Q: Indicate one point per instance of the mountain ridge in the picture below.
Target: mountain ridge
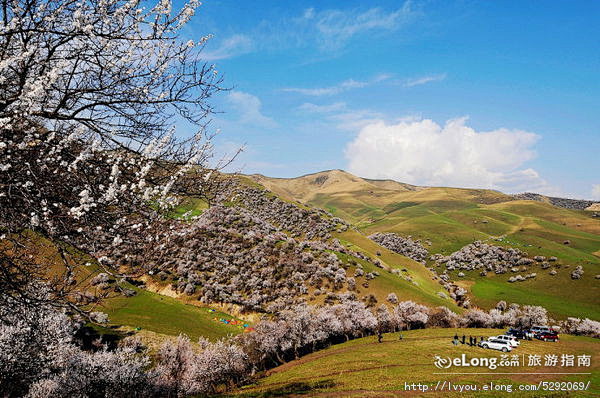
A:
(286, 185)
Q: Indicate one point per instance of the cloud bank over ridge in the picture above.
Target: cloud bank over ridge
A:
(423, 152)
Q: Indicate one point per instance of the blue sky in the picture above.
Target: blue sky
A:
(502, 95)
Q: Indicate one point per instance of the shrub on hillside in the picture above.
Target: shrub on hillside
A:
(385, 321)
(392, 298)
(577, 272)
(405, 246)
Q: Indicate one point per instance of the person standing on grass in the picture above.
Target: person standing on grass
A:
(379, 335)
(463, 339)
(455, 340)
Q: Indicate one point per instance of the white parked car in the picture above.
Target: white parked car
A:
(496, 344)
(512, 340)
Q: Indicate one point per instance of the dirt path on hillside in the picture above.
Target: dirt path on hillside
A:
(516, 228)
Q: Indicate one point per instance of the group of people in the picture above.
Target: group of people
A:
(472, 340)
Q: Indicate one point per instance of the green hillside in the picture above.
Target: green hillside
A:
(451, 218)
(167, 316)
(448, 218)
(145, 310)
(424, 290)
(366, 368)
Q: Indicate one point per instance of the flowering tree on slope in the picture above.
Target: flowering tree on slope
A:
(89, 93)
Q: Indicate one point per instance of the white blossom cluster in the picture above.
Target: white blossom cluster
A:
(585, 327)
(67, 187)
(184, 370)
(311, 224)
(229, 255)
(405, 246)
(39, 357)
(485, 257)
(302, 329)
(89, 91)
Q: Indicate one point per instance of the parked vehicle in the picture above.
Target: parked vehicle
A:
(547, 336)
(512, 340)
(496, 344)
(539, 329)
(519, 334)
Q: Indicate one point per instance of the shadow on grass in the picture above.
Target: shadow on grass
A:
(285, 390)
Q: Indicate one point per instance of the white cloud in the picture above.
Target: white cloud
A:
(596, 191)
(313, 91)
(424, 80)
(327, 31)
(341, 117)
(229, 48)
(355, 119)
(335, 28)
(338, 88)
(425, 153)
(313, 108)
(309, 13)
(248, 106)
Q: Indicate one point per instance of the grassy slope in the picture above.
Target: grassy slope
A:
(363, 367)
(166, 315)
(150, 311)
(190, 207)
(425, 291)
(451, 218)
(536, 228)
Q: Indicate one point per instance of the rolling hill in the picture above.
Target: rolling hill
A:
(157, 310)
(451, 218)
(448, 218)
(283, 216)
